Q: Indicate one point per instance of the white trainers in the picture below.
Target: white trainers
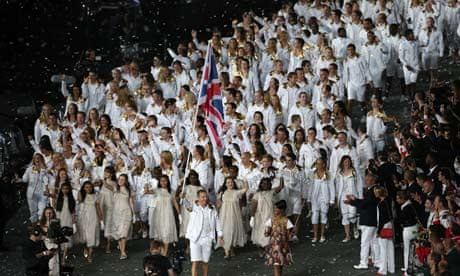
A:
(355, 233)
(295, 239)
(360, 266)
(314, 240)
(323, 239)
(144, 234)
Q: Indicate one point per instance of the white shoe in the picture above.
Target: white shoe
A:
(403, 269)
(295, 239)
(346, 240)
(144, 234)
(314, 240)
(356, 233)
(360, 266)
(323, 239)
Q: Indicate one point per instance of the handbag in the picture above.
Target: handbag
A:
(386, 233)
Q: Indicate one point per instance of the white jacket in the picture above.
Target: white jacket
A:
(409, 53)
(337, 154)
(348, 185)
(432, 44)
(94, 93)
(376, 57)
(365, 151)
(355, 71)
(339, 46)
(321, 189)
(375, 127)
(195, 225)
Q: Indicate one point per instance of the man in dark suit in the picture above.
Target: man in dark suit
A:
(412, 186)
(452, 256)
(367, 208)
(385, 173)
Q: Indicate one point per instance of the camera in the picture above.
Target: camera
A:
(177, 258)
(58, 234)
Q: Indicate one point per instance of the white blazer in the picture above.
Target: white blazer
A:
(195, 225)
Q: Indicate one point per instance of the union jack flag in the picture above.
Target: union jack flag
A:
(210, 100)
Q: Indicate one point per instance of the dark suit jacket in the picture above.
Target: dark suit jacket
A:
(384, 214)
(453, 259)
(367, 207)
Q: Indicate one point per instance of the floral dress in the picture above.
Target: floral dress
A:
(278, 252)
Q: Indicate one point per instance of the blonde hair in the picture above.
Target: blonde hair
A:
(123, 96)
(167, 156)
(42, 118)
(161, 74)
(190, 100)
(380, 192)
(139, 169)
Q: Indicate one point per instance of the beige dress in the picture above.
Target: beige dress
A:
(263, 213)
(164, 226)
(232, 220)
(122, 216)
(106, 203)
(191, 196)
(66, 220)
(88, 222)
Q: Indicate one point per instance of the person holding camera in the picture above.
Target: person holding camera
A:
(156, 264)
(35, 254)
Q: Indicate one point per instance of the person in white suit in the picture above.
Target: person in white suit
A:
(356, 76)
(432, 46)
(409, 52)
(321, 195)
(201, 231)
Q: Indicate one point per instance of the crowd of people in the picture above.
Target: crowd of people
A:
(304, 92)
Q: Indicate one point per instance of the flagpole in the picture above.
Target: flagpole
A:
(195, 118)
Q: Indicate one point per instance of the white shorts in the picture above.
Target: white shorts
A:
(294, 206)
(356, 92)
(201, 250)
(394, 69)
(430, 61)
(377, 78)
(410, 77)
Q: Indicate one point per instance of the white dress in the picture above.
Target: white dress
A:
(164, 226)
(264, 212)
(190, 196)
(106, 203)
(232, 220)
(88, 222)
(66, 220)
(122, 215)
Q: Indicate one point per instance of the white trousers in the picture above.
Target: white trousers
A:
(348, 213)
(368, 242)
(319, 209)
(409, 233)
(386, 262)
(37, 203)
